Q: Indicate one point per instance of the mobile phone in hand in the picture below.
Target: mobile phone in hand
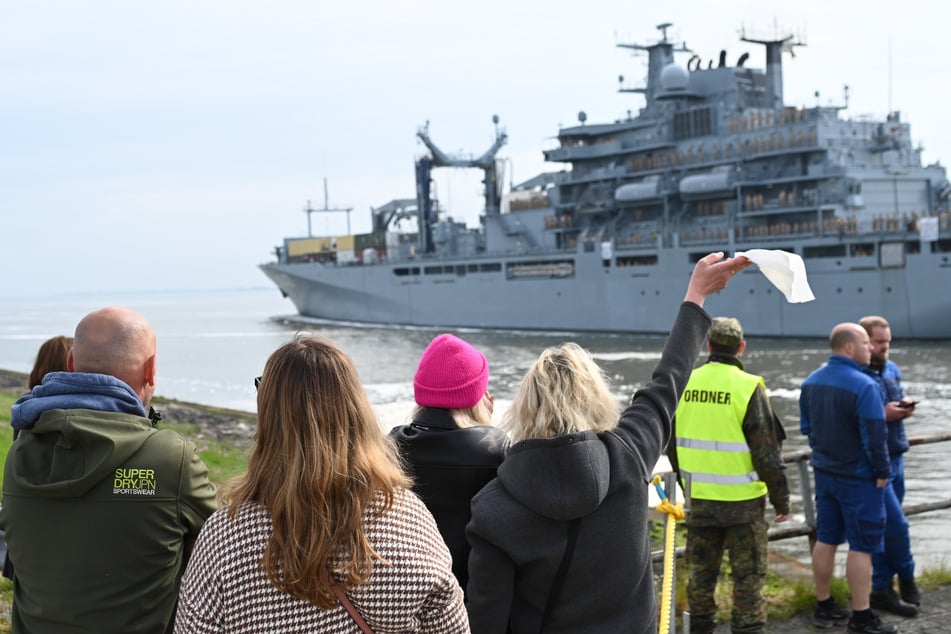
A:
(907, 404)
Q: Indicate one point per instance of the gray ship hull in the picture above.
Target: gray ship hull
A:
(624, 299)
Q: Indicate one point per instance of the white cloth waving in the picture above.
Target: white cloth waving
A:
(785, 270)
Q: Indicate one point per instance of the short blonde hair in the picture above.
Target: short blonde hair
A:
(563, 392)
(474, 416)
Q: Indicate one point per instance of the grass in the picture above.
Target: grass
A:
(223, 459)
(6, 439)
(785, 596)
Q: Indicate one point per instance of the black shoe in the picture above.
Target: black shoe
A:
(830, 616)
(887, 599)
(872, 626)
(909, 591)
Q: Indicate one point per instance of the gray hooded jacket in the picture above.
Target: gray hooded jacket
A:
(520, 519)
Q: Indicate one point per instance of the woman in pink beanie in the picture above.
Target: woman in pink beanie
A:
(450, 448)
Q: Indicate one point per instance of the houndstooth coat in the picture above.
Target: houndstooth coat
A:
(225, 588)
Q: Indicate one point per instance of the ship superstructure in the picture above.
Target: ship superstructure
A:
(714, 161)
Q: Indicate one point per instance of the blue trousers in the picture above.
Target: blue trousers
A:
(897, 557)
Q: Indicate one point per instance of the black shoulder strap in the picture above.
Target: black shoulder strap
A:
(559, 580)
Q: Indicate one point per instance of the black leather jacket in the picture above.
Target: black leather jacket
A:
(449, 465)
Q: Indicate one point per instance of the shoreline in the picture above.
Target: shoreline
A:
(212, 423)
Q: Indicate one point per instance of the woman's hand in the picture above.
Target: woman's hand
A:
(711, 274)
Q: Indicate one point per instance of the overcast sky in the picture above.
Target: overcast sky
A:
(171, 145)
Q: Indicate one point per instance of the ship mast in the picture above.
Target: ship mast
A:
(659, 56)
(309, 210)
(774, 64)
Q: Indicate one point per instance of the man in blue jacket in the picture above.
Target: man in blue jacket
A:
(842, 413)
(896, 559)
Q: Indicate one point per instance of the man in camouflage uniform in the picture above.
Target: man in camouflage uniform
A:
(727, 455)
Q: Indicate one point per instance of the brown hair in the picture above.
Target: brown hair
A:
(51, 357)
(319, 465)
(871, 322)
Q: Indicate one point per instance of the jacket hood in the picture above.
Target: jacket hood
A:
(75, 390)
(67, 452)
(560, 478)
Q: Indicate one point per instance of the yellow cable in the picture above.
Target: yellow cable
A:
(674, 513)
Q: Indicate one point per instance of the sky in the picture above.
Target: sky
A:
(172, 145)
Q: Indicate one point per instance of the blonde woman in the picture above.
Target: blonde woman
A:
(559, 539)
(323, 506)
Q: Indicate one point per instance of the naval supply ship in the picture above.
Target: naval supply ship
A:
(715, 160)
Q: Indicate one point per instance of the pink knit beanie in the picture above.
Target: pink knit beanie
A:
(451, 374)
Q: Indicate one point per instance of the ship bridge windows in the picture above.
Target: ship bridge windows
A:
(403, 271)
(695, 122)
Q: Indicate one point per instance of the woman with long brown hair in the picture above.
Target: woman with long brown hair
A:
(323, 511)
(51, 357)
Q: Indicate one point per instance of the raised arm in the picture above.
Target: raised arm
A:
(645, 426)
(711, 274)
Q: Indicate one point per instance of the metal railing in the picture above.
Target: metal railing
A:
(808, 527)
(805, 529)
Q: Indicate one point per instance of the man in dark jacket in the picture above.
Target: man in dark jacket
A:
(841, 412)
(728, 443)
(99, 507)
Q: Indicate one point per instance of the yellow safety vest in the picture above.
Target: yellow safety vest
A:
(711, 447)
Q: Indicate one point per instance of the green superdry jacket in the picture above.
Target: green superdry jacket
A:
(97, 508)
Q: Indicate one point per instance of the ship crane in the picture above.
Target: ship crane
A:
(424, 167)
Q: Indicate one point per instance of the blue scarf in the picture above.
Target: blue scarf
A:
(75, 390)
